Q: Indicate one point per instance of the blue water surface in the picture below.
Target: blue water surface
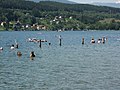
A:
(72, 66)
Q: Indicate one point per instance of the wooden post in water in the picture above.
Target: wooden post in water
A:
(60, 42)
(83, 41)
(40, 44)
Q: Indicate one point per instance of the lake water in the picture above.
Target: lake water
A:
(72, 66)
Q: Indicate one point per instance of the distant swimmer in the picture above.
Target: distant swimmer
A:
(1, 48)
(16, 45)
(99, 41)
(32, 54)
(49, 44)
(36, 40)
(103, 40)
(92, 41)
(12, 47)
(19, 53)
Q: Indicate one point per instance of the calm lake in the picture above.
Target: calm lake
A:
(72, 66)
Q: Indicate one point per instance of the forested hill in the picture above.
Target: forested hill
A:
(54, 15)
(53, 6)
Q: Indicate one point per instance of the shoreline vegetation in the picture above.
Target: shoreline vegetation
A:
(21, 15)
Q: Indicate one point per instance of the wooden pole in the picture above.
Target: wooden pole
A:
(40, 44)
(103, 40)
(60, 41)
(82, 40)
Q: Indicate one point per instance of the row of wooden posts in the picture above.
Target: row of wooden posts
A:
(60, 42)
(83, 41)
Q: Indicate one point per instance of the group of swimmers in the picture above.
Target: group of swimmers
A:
(14, 46)
(36, 40)
(31, 54)
(18, 53)
(100, 40)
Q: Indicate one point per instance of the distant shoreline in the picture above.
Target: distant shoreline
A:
(52, 30)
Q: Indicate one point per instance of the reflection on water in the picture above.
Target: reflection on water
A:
(72, 66)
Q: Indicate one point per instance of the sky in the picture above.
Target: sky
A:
(92, 1)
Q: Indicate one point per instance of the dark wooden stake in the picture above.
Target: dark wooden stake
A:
(40, 44)
(60, 41)
(82, 41)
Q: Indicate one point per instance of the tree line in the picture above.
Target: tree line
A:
(56, 15)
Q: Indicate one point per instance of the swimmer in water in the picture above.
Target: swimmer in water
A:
(12, 47)
(103, 40)
(1, 48)
(92, 41)
(99, 41)
(16, 45)
(19, 53)
(32, 54)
